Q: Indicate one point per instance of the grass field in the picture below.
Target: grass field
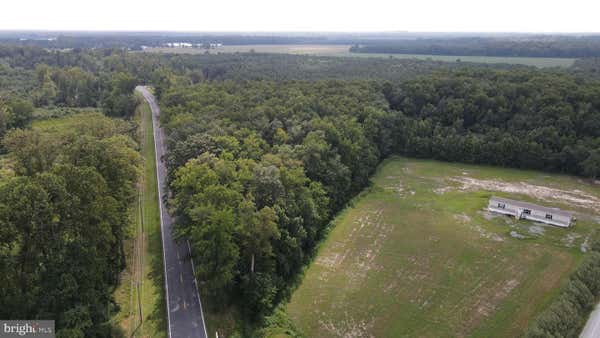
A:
(418, 256)
(141, 291)
(343, 51)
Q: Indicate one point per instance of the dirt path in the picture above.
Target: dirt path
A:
(576, 198)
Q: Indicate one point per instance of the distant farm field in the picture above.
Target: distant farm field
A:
(419, 256)
(527, 61)
(321, 50)
(343, 50)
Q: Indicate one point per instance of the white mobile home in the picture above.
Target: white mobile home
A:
(530, 211)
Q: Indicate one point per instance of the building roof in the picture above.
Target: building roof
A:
(525, 205)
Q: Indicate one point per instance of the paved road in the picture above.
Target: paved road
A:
(592, 327)
(184, 309)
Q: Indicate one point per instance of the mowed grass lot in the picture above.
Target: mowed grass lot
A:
(343, 51)
(140, 294)
(418, 256)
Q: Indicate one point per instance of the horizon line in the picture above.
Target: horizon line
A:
(49, 30)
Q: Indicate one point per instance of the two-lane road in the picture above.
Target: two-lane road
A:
(184, 309)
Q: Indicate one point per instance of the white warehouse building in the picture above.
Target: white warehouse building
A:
(530, 211)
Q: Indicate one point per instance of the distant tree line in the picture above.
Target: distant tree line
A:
(567, 46)
(523, 119)
(536, 46)
(83, 40)
(105, 78)
(588, 68)
(151, 67)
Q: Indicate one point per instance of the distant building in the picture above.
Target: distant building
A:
(178, 44)
(530, 211)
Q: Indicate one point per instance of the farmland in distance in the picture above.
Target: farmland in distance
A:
(343, 51)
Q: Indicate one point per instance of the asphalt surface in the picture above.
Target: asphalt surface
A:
(592, 327)
(184, 309)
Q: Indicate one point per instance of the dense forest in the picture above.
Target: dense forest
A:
(521, 119)
(587, 67)
(526, 46)
(63, 214)
(66, 188)
(258, 168)
(18, 66)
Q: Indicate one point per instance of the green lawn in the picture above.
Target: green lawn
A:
(343, 51)
(144, 273)
(418, 255)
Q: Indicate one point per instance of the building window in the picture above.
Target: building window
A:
(548, 216)
(501, 205)
(527, 211)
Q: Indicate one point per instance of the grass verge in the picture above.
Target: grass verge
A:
(141, 294)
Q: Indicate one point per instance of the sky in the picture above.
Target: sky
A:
(303, 16)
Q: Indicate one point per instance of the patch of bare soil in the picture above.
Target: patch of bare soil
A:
(517, 235)
(442, 190)
(537, 229)
(487, 234)
(491, 215)
(569, 239)
(486, 297)
(347, 328)
(488, 305)
(356, 263)
(483, 233)
(363, 260)
(397, 188)
(463, 218)
(585, 246)
(574, 197)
